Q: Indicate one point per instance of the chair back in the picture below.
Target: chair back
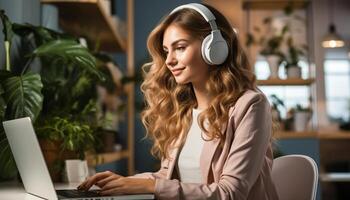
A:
(295, 177)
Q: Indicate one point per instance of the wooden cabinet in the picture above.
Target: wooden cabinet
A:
(89, 19)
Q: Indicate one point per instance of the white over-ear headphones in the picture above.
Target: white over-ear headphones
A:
(214, 46)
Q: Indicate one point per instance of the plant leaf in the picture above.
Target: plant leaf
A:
(69, 51)
(8, 168)
(2, 104)
(23, 95)
(42, 34)
(7, 26)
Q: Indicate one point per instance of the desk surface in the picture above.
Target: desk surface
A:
(15, 191)
(335, 177)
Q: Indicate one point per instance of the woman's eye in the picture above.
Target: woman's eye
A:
(180, 48)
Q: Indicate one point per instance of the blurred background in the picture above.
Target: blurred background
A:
(298, 49)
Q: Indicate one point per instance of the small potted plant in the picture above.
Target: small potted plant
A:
(269, 46)
(292, 58)
(277, 105)
(302, 116)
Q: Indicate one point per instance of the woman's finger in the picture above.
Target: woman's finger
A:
(113, 184)
(102, 183)
(93, 179)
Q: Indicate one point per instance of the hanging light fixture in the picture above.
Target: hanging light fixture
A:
(332, 39)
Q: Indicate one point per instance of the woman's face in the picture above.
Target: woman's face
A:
(183, 56)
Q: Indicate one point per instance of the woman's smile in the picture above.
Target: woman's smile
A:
(177, 71)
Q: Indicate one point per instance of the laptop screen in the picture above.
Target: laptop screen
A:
(29, 158)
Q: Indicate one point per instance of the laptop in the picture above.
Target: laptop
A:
(33, 170)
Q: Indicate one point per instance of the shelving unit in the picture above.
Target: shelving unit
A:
(89, 19)
(271, 9)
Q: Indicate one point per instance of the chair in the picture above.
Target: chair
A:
(295, 177)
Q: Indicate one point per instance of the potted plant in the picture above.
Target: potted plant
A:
(58, 99)
(277, 104)
(292, 58)
(269, 44)
(302, 116)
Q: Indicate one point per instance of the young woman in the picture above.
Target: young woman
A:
(210, 125)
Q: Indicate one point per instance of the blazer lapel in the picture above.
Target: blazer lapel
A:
(174, 154)
(208, 151)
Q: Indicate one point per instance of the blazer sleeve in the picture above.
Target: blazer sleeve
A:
(244, 162)
(160, 174)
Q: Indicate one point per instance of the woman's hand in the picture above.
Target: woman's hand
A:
(99, 179)
(126, 185)
(111, 183)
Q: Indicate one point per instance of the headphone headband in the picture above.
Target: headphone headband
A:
(214, 47)
(201, 9)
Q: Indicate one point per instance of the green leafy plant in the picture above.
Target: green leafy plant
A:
(294, 54)
(270, 44)
(271, 41)
(300, 108)
(277, 103)
(61, 93)
(75, 136)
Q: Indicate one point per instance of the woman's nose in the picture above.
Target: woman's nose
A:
(170, 60)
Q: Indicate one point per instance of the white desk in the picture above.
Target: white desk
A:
(15, 191)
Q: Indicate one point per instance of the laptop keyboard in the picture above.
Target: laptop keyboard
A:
(77, 193)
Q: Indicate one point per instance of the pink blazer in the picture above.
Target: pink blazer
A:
(240, 169)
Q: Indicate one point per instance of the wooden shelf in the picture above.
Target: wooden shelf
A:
(286, 82)
(334, 135)
(273, 4)
(296, 135)
(98, 159)
(312, 134)
(87, 18)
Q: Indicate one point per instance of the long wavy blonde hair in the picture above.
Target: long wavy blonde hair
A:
(168, 112)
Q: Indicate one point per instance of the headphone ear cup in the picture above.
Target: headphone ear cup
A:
(214, 49)
(205, 46)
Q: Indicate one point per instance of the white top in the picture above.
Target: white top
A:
(188, 163)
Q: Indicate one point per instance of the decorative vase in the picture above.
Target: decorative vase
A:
(301, 120)
(273, 61)
(293, 72)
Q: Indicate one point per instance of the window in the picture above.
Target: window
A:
(291, 95)
(337, 81)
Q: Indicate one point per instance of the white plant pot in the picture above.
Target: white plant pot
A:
(301, 120)
(273, 60)
(294, 72)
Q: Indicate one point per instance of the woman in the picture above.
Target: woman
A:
(210, 125)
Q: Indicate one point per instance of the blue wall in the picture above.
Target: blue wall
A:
(147, 15)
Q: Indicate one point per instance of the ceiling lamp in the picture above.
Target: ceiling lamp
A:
(332, 39)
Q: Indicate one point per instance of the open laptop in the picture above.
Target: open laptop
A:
(33, 170)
